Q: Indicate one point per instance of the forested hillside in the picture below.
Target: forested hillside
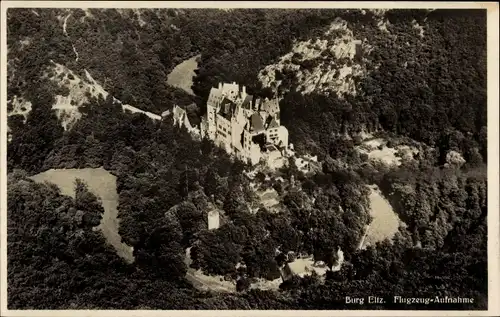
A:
(431, 88)
(428, 87)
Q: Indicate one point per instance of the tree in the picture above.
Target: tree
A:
(51, 241)
(242, 284)
(162, 248)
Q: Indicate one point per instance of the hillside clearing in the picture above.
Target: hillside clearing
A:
(385, 221)
(102, 184)
(18, 106)
(326, 65)
(377, 150)
(79, 92)
(182, 75)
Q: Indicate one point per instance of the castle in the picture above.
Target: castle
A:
(245, 126)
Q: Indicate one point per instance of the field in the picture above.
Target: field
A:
(182, 75)
(385, 221)
(101, 183)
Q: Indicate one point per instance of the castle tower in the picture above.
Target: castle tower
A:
(213, 220)
(357, 49)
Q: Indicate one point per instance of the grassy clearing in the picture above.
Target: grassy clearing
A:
(385, 221)
(182, 75)
(101, 183)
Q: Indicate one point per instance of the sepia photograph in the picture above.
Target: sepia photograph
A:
(212, 156)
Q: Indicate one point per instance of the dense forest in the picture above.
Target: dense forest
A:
(167, 181)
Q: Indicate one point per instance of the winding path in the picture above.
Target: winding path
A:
(65, 24)
(204, 282)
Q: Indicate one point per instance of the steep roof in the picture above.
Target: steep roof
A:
(247, 103)
(270, 147)
(178, 111)
(256, 122)
(227, 108)
(215, 93)
(273, 124)
(178, 114)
